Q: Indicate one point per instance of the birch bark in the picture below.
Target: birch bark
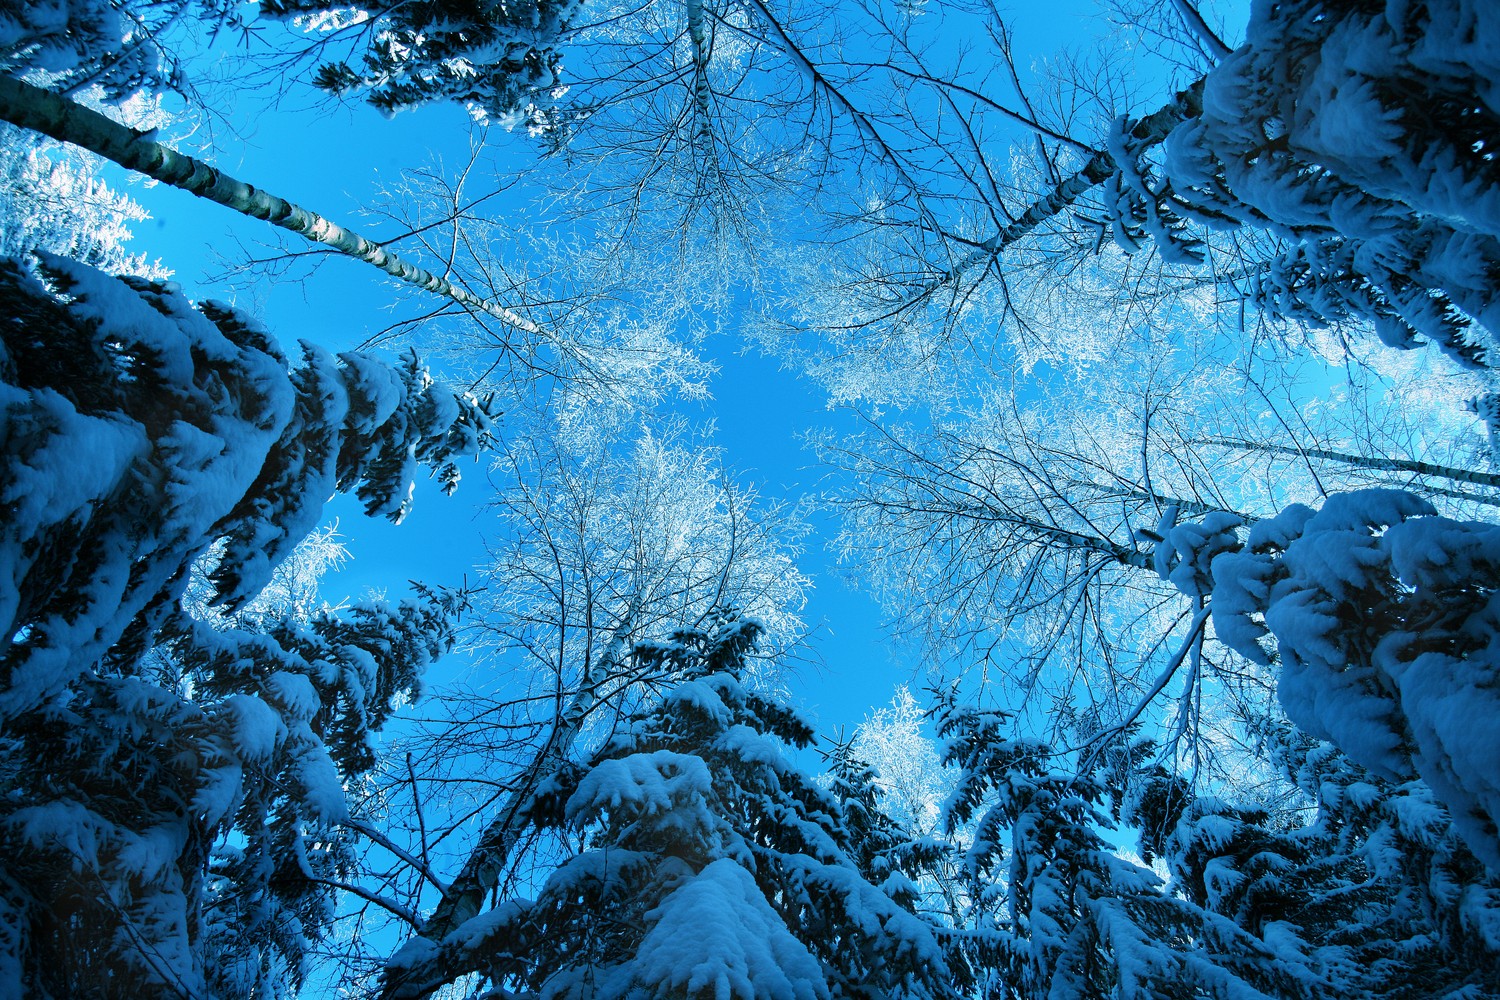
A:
(1363, 462)
(1150, 130)
(43, 111)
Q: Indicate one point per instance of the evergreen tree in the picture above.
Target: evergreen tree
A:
(83, 42)
(884, 853)
(1383, 616)
(171, 791)
(1375, 895)
(53, 199)
(498, 59)
(1077, 919)
(713, 866)
(1357, 133)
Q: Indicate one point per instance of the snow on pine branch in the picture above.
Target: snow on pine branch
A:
(1384, 617)
(177, 779)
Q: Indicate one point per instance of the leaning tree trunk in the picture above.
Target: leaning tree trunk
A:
(1365, 462)
(53, 115)
(415, 973)
(1149, 130)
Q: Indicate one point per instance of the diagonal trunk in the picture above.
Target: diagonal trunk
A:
(43, 111)
(1041, 533)
(1150, 130)
(481, 872)
(1366, 462)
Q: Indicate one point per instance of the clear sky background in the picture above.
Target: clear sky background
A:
(332, 158)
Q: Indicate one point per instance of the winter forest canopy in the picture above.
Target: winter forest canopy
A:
(1136, 360)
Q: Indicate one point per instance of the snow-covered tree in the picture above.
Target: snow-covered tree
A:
(499, 59)
(712, 865)
(892, 741)
(1252, 184)
(1004, 540)
(598, 544)
(180, 831)
(885, 852)
(1075, 918)
(1359, 134)
(157, 770)
(52, 199)
(1374, 893)
(1380, 614)
(890, 774)
(142, 429)
(1033, 533)
(93, 42)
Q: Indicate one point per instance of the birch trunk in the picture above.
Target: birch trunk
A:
(1152, 129)
(1365, 462)
(464, 898)
(53, 115)
(1040, 533)
(698, 43)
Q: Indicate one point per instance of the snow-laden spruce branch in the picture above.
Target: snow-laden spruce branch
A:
(1377, 614)
(42, 111)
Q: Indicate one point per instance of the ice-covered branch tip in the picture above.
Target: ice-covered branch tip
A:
(43, 111)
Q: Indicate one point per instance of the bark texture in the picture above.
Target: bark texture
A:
(53, 115)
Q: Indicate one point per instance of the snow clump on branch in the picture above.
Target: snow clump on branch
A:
(1385, 617)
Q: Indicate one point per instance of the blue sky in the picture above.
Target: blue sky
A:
(332, 158)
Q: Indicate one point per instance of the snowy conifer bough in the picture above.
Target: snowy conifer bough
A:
(1361, 135)
(172, 791)
(497, 58)
(1385, 618)
(1074, 919)
(1370, 894)
(712, 866)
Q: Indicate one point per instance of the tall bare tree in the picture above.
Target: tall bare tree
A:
(599, 547)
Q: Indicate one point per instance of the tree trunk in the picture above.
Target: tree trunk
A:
(1041, 533)
(698, 42)
(1152, 129)
(43, 111)
(1366, 462)
(481, 872)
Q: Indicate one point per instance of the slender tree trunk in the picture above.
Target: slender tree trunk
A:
(1195, 508)
(698, 42)
(1152, 129)
(481, 872)
(1042, 533)
(1193, 18)
(1365, 462)
(43, 111)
